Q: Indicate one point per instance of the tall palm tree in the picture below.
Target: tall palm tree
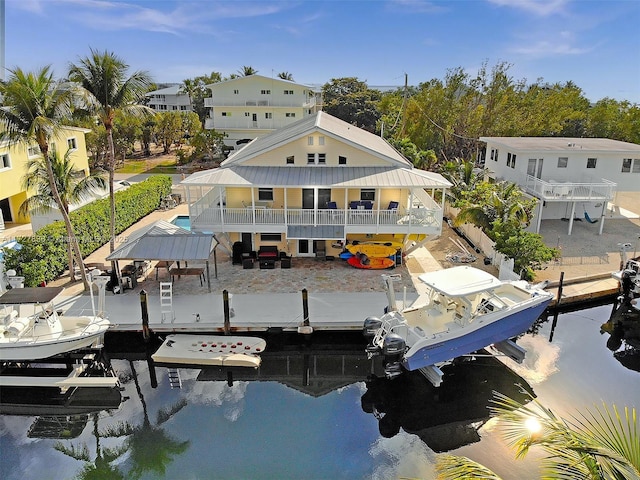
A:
(286, 76)
(106, 90)
(599, 445)
(72, 184)
(35, 105)
(245, 71)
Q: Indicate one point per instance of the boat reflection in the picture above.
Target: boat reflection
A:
(624, 330)
(449, 416)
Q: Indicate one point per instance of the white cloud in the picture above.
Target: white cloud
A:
(418, 6)
(538, 7)
(402, 456)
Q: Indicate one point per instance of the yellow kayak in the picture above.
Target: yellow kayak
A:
(372, 250)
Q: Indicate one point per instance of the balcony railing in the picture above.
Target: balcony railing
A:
(571, 191)
(296, 102)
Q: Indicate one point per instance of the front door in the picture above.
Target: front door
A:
(308, 198)
(247, 242)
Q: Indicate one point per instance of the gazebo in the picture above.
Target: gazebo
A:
(164, 241)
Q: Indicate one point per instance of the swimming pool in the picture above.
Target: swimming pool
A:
(182, 221)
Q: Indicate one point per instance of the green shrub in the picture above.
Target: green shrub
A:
(43, 257)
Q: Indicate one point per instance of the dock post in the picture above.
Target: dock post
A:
(145, 315)
(559, 298)
(305, 307)
(227, 322)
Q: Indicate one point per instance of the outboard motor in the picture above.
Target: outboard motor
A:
(393, 346)
(371, 326)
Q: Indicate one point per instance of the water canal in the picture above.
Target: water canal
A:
(311, 415)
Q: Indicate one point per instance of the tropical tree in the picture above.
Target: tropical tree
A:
(246, 70)
(286, 76)
(106, 89)
(35, 105)
(353, 101)
(73, 186)
(599, 445)
(197, 90)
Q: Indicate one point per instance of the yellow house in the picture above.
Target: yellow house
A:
(13, 161)
(313, 186)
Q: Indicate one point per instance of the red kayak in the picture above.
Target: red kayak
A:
(374, 263)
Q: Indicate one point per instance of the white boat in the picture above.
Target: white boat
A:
(629, 276)
(34, 329)
(463, 310)
(210, 350)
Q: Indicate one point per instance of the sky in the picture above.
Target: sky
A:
(594, 44)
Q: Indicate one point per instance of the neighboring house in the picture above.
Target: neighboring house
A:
(169, 99)
(247, 107)
(572, 177)
(312, 186)
(13, 161)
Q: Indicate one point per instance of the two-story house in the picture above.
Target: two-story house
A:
(169, 99)
(571, 177)
(313, 186)
(13, 162)
(247, 107)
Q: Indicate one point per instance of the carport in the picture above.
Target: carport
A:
(164, 241)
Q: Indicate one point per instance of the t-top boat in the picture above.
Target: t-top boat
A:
(37, 330)
(463, 310)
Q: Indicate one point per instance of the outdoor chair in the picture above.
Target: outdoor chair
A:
(393, 206)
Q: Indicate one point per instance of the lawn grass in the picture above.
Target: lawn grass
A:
(148, 166)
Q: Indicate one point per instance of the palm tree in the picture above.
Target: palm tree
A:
(286, 76)
(245, 71)
(35, 105)
(600, 445)
(106, 90)
(72, 184)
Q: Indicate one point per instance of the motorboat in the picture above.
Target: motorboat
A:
(629, 277)
(33, 328)
(462, 310)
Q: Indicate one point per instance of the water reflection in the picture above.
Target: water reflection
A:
(624, 335)
(447, 417)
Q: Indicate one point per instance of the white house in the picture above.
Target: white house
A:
(313, 186)
(169, 99)
(570, 176)
(247, 107)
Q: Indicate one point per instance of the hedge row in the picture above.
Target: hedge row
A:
(43, 257)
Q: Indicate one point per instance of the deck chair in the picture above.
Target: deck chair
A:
(332, 205)
(588, 218)
(393, 206)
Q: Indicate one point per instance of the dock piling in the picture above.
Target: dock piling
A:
(560, 284)
(227, 314)
(145, 315)
(305, 307)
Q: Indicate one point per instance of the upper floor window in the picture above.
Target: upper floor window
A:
(288, 92)
(268, 115)
(265, 194)
(183, 107)
(226, 114)
(494, 154)
(236, 92)
(322, 158)
(33, 150)
(321, 140)
(368, 194)
(342, 160)
(636, 165)
(591, 162)
(72, 144)
(247, 114)
(174, 107)
(162, 107)
(309, 140)
(626, 165)
(311, 158)
(265, 92)
(563, 162)
(290, 160)
(511, 160)
(290, 114)
(5, 161)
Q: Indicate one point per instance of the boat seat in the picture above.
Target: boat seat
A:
(18, 327)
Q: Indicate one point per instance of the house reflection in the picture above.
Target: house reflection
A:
(445, 417)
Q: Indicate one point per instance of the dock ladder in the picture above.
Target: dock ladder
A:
(166, 301)
(174, 378)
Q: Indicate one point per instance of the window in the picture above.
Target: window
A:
(33, 150)
(563, 162)
(247, 114)
(183, 107)
(290, 160)
(290, 114)
(265, 194)
(342, 160)
(511, 159)
(494, 154)
(72, 144)
(311, 158)
(236, 92)
(5, 161)
(636, 165)
(265, 92)
(226, 114)
(368, 194)
(268, 115)
(288, 92)
(162, 107)
(626, 165)
(591, 162)
(270, 237)
(321, 140)
(174, 107)
(322, 158)
(309, 140)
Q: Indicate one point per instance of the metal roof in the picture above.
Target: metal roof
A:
(347, 177)
(165, 241)
(563, 144)
(329, 126)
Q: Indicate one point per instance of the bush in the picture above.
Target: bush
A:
(43, 257)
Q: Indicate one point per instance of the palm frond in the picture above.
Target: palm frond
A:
(451, 467)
